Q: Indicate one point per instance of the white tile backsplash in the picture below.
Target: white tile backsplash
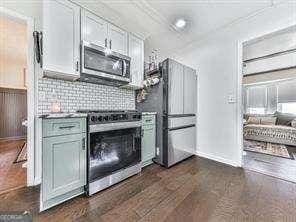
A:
(81, 95)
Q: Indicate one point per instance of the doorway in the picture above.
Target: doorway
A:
(268, 117)
(16, 101)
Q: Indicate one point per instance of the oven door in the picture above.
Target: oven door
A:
(98, 62)
(111, 151)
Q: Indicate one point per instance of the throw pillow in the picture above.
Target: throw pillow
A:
(284, 119)
(293, 123)
(268, 120)
(254, 120)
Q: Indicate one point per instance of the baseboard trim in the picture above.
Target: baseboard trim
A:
(217, 159)
(37, 181)
(12, 138)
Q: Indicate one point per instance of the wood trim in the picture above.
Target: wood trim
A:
(12, 90)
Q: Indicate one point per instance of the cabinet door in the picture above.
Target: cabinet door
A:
(117, 39)
(63, 165)
(136, 52)
(175, 88)
(94, 29)
(148, 143)
(190, 90)
(61, 37)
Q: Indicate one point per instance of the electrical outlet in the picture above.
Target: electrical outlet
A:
(231, 98)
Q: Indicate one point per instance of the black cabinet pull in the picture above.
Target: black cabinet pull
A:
(83, 143)
(66, 127)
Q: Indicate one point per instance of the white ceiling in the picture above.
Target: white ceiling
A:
(154, 19)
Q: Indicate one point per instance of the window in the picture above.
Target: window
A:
(287, 107)
(256, 110)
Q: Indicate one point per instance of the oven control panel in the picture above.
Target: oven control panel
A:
(102, 118)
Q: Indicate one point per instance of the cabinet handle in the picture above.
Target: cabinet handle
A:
(83, 143)
(105, 42)
(66, 127)
(77, 66)
(110, 43)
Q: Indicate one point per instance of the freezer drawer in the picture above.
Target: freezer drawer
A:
(181, 144)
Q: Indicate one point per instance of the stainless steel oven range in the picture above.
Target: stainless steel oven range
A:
(114, 147)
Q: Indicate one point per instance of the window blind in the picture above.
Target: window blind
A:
(287, 92)
(257, 97)
(271, 99)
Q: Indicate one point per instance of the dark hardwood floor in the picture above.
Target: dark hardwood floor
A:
(272, 165)
(194, 190)
(12, 175)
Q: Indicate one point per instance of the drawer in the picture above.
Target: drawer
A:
(63, 126)
(148, 120)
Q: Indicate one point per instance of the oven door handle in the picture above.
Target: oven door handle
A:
(114, 126)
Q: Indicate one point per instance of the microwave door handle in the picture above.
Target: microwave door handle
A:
(124, 68)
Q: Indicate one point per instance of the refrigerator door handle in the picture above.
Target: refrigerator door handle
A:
(180, 115)
(181, 127)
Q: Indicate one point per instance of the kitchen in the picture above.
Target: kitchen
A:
(132, 111)
(98, 124)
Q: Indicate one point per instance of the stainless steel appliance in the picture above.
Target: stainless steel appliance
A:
(103, 66)
(174, 99)
(114, 147)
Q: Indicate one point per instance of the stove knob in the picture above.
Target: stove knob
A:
(100, 118)
(93, 118)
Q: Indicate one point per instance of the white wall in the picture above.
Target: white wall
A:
(216, 61)
(13, 53)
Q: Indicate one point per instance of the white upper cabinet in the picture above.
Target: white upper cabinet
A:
(97, 31)
(117, 39)
(61, 38)
(136, 52)
(94, 29)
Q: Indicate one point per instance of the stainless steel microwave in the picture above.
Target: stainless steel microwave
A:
(103, 66)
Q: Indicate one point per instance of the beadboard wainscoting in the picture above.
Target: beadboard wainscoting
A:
(80, 95)
(13, 109)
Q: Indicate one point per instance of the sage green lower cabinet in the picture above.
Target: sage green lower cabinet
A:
(148, 139)
(63, 162)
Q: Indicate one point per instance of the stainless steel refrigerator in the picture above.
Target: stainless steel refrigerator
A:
(175, 101)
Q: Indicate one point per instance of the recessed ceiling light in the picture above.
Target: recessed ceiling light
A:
(180, 23)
